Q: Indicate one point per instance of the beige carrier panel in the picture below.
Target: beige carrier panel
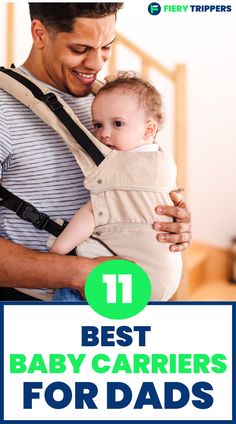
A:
(125, 189)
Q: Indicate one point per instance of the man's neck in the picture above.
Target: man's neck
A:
(34, 65)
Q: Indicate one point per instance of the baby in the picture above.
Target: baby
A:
(127, 115)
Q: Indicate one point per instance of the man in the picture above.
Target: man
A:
(71, 43)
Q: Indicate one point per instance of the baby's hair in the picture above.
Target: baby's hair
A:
(148, 96)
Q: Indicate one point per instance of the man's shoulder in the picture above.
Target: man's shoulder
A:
(81, 106)
(7, 101)
(11, 108)
(4, 95)
(7, 105)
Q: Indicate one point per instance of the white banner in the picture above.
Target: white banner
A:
(169, 362)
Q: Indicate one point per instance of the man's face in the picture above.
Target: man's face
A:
(71, 60)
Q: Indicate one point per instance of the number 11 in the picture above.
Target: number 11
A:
(111, 281)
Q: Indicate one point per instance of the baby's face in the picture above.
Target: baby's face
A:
(119, 121)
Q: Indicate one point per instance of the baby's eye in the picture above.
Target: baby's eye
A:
(118, 123)
(97, 125)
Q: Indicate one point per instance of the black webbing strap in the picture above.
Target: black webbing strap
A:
(29, 213)
(57, 108)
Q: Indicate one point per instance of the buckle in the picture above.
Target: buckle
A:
(51, 100)
(30, 214)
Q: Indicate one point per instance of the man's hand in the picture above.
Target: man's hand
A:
(178, 232)
(86, 265)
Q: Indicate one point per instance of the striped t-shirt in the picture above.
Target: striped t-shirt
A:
(37, 166)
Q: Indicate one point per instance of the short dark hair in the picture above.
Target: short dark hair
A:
(61, 16)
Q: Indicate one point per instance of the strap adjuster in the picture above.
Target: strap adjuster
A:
(30, 214)
(51, 100)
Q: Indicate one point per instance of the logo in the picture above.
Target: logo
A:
(154, 8)
(118, 289)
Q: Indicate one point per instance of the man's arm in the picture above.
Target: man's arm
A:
(23, 267)
(178, 233)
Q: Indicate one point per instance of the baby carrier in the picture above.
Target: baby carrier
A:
(125, 187)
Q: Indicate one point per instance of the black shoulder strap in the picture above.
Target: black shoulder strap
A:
(29, 213)
(57, 108)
